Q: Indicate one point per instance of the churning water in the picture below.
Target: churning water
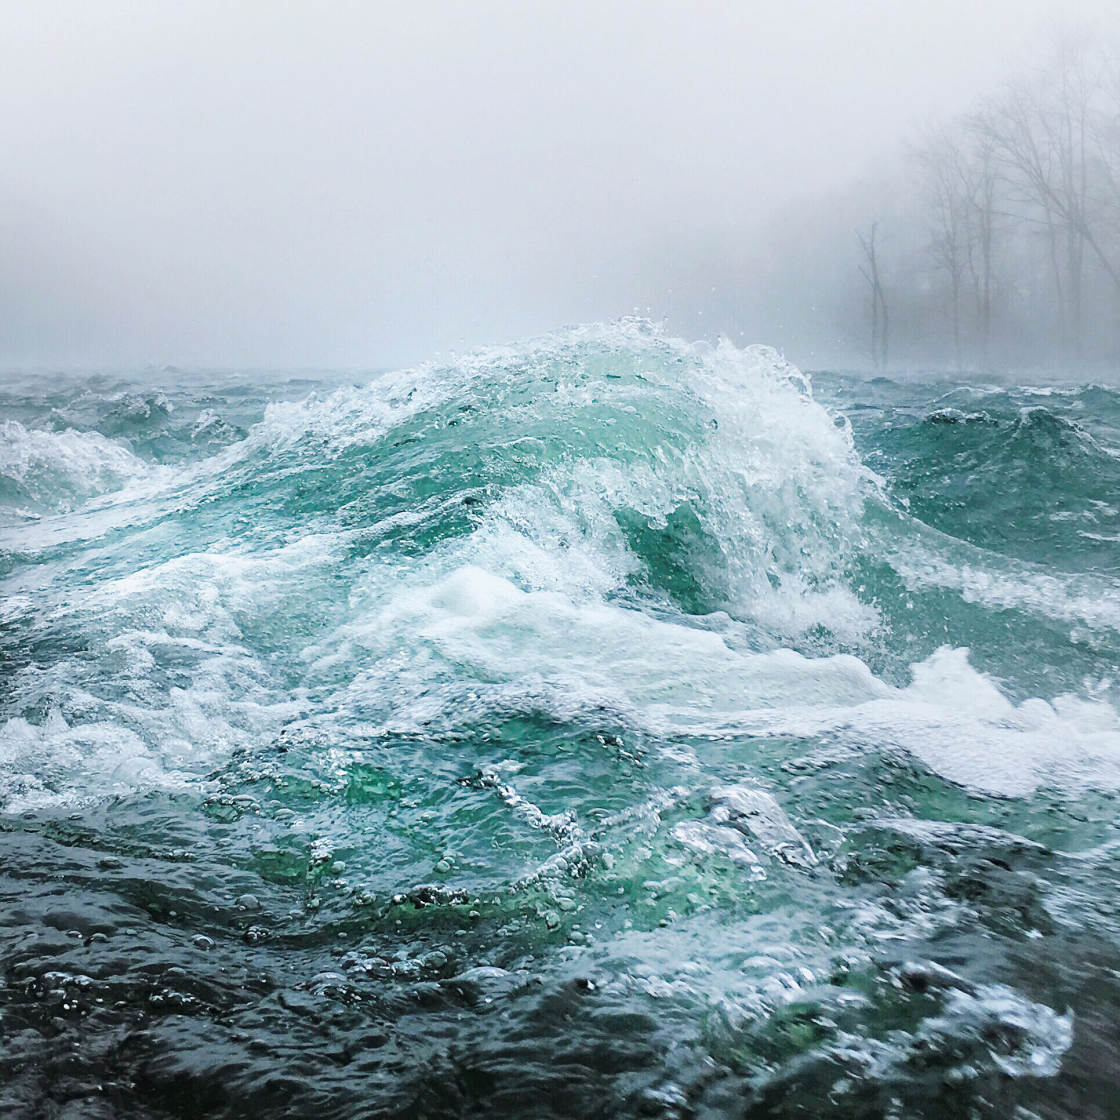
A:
(604, 725)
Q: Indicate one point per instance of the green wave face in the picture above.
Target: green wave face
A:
(600, 725)
(1035, 477)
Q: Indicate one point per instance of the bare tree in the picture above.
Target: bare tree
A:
(1045, 133)
(880, 324)
(1105, 160)
(956, 168)
(983, 194)
(943, 166)
(1006, 247)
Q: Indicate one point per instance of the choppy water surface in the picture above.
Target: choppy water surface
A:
(598, 726)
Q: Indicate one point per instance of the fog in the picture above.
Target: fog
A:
(364, 185)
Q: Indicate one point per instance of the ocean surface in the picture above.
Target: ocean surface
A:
(603, 725)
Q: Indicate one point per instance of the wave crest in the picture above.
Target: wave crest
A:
(54, 472)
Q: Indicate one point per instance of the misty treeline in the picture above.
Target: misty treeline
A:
(1000, 240)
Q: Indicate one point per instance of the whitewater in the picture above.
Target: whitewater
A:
(604, 724)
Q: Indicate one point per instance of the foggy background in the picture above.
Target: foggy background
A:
(367, 185)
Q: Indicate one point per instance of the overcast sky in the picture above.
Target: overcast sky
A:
(366, 184)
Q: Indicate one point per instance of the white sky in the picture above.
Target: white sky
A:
(315, 184)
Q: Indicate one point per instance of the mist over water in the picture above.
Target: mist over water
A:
(367, 186)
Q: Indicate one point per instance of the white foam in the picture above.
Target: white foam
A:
(44, 765)
(1088, 600)
(177, 621)
(57, 471)
(477, 626)
(426, 643)
(740, 816)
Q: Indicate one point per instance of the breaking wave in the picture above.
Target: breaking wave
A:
(604, 607)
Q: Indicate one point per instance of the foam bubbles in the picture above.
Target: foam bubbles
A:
(55, 763)
(957, 722)
(44, 471)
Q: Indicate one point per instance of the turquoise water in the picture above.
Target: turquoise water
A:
(602, 725)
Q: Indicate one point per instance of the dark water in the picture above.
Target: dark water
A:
(602, 726)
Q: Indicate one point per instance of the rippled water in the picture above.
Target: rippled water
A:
(599, 726)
